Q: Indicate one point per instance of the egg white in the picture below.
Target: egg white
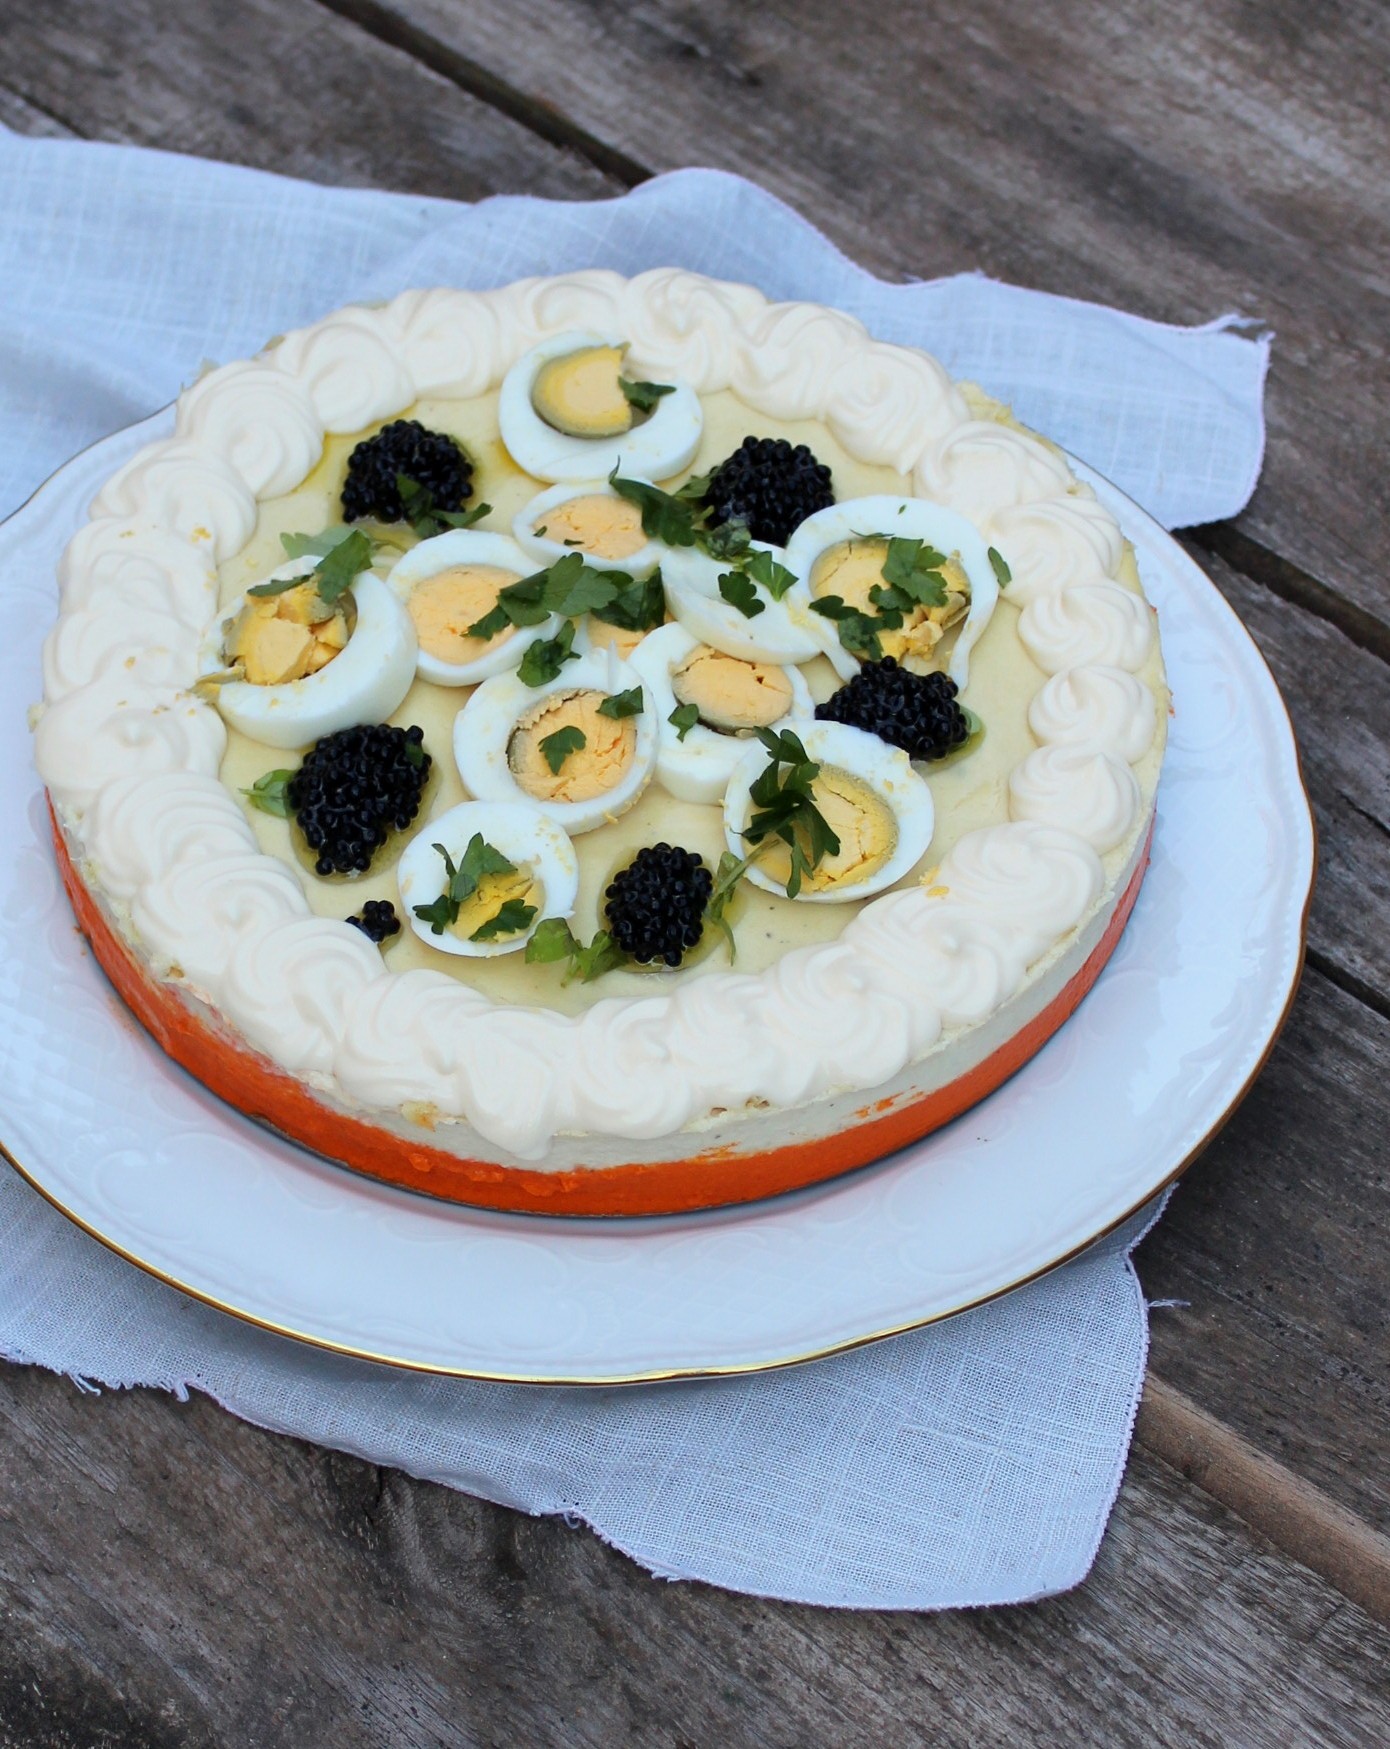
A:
(469, 546)
(657, 447)
(886, 770)
(785, 631)
(363, 683)
(697, 768)
(543, 551)
(523, 834)
(912, 519)
(483, 729)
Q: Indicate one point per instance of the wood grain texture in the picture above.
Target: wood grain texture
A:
(175, 1578)
(1177, 160)
(278, 84)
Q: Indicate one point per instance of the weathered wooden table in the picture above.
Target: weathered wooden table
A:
(170, 1576)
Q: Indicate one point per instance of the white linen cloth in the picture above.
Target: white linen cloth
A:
(969, 1463)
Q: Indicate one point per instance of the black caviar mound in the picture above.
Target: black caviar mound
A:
(405, 446)
(770, 486)
(917, 712)
(656, 905)
(353, 788)
(377, 920)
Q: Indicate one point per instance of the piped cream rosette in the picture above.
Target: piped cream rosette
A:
(878, 807)
(450, 582)
(733, 697)
(506, 751)
(657, 446)
(544, 874)
(367, 654)
(819, 547)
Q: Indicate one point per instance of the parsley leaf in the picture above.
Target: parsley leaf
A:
(298, 546)
(636, 607)
(731, 540)
(858, 632)
(786, 807)
(558, 747)
(268, 793)
(684, 719)
(573, 588)
(914, 570)
(1001, 567)
(514, 916)
(418, 503)
(730, 872)
(739, 592)
(644, 396)
(764, 569)
(544, 659)
(555, 940)
(462, 881)
(664, 517)
(338, 567)
(622, 704)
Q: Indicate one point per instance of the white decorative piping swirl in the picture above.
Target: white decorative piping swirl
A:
(195, 916)
(1093, 624)
(118, 728)
(1078, 789)
(137, 566)
(1095, 706)
(351, 369)
(186, 489)
(138, 828)
(113, 642)
(290, 989)
(1056, 545)
(261, 422)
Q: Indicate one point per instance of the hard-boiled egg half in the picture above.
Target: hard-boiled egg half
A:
(568, 411)
(765, 628)
(588, 518)
(580, 747)
(870, 797)
(299, 668)
(717, 701)
(842, 551)
(511, 867)
(448, 584)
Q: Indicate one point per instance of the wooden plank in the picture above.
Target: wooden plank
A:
(23, 117)
(1278, 1240)
(278, 84)
(172, 1576)
(1178, 161)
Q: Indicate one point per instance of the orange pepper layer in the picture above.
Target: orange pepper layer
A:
(714, 1178)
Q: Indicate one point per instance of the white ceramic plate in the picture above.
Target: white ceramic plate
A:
(141, 1156)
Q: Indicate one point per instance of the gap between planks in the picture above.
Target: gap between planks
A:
(1258, 562)
(1298, 1518)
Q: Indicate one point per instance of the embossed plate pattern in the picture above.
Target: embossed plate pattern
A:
(139, 1154)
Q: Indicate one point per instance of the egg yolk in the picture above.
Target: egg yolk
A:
(581, 394)
(592, 769)
(278, 638)
(731, 694)
(854, 567)
(859, 818)
(603, 636)
(492, 892)
(445, 605)
(607, 527)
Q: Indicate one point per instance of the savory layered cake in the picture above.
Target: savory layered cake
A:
(600, 746)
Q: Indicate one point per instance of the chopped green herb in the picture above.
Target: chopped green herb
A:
(914, 569)
(727, 876)
(554, 940)
(418, 503)
(731, 540)
(858, 632)
(636, 607)
(462, 880)
(268, 793)
(1001, 567)
(644, 396)
(684, 719)
(764, 569)
(664, 516)
(299, 546)
(623, 704)
(786, 806)
(739, 592)
(514, 916)
(544, 659)
(338, 567)
(415, 753)
(558, 747)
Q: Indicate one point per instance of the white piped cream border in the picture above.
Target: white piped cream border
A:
(131, 760)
